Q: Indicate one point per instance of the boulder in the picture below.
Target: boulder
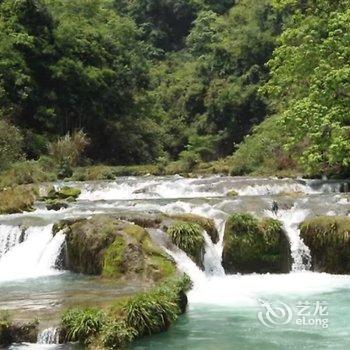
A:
(232, 193)
(112, 248)
(55, 204)
(328, 238)
(257, 246)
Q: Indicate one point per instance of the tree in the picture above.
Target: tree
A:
(309, 86)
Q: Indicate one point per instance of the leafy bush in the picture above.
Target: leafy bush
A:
(69, 148)
(82, 324)
(10, 144)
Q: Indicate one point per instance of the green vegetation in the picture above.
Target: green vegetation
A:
(328, 238)
(114, 249)
(179, 85)
(205, 223)
(251, 245)
(17, 199)
(11, 332)
(82, 325)
(188, 237)
(308, 92)
(145, 313)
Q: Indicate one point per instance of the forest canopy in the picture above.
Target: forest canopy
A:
(179, 79)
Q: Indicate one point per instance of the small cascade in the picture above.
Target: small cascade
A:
(212, 258)
(34, 257)
(49, 336)
(186, 265)
(300, 252)
(9, 237)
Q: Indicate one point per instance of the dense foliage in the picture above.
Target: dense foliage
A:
(309, 90)
(149, 81)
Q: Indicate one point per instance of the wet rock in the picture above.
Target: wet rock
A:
(56, 205)
(106, 246)
(328, 238)
(67, 193)
(232, 193)
(257, 246)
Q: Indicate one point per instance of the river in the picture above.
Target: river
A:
(225, 311)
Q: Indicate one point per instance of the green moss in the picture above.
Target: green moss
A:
(328, 238)
(136, 231)
(160, 267)
(87, 241)
(114, 249)
(253, 246)
(188, 237)
(232, 193)
(207, 224)
(68, 192)
(114, 259)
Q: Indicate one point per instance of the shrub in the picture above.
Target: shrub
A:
(188, 237)
(82, 324)
(69, 147)
(251, 245)
(151, 312)
(116, 334)
(10, 144)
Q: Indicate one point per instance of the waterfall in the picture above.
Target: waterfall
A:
(9, 237)
(49, 336)
(34, 257)
(300, 252)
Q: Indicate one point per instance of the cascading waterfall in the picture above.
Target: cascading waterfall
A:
(300, 252)
(34, 257)
(49, 336)
(9, 237)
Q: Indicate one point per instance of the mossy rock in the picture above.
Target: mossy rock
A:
(65, 193)
(328, 238)
(55, 204)
(114, 249)
(257, 246)
(17, 199)
(68, 192)
(18, 332)
(188, 236)
(232, 193)
(207, 224)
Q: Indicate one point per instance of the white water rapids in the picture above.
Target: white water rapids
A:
(31, 251)
(34, 257)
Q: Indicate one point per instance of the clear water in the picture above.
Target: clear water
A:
(223, 310)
